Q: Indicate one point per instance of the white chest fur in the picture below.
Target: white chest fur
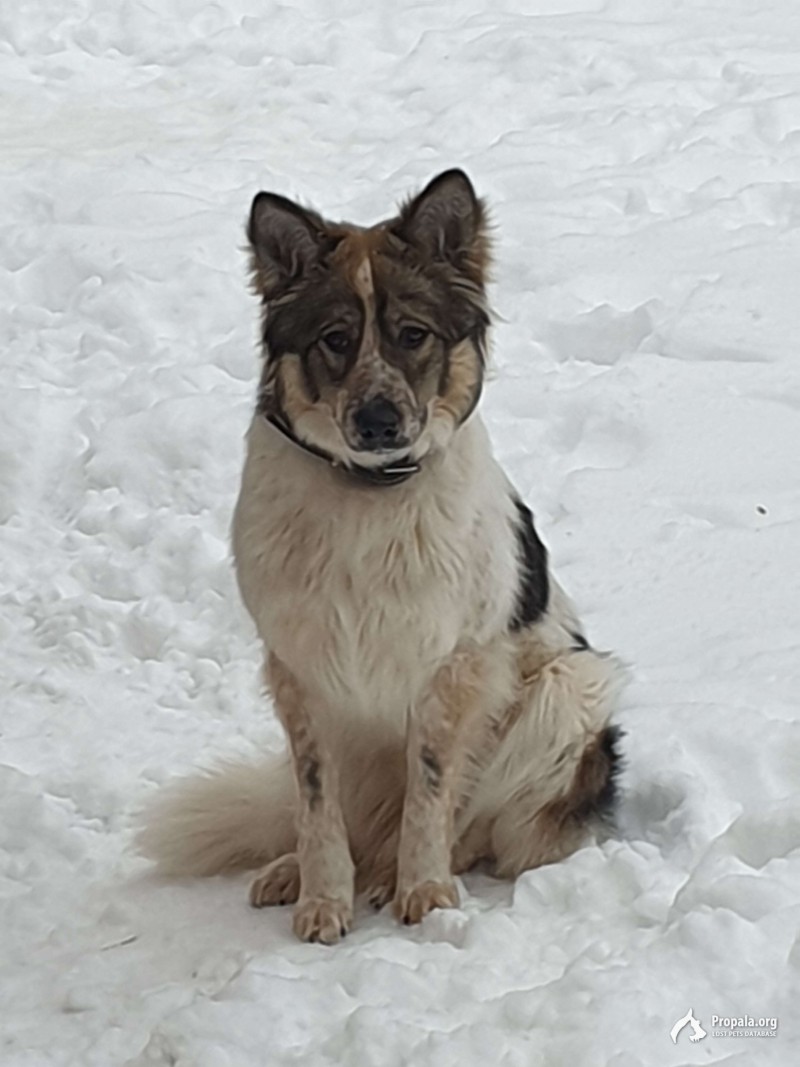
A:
(361, 592)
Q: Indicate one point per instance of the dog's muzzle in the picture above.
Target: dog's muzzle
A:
(379, 425)
(393, 473)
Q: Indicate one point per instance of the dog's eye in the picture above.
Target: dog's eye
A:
(412, 336)
(337, 341)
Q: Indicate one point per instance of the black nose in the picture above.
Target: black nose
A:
(378, 424)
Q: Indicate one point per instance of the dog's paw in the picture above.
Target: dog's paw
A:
(412, 905)
(379, 894)
(322, 919)
(379, 883)
(277, 883)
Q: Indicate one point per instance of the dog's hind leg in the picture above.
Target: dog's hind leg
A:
(555, 769)
(277, 883)
(530, 833)
(472, 845)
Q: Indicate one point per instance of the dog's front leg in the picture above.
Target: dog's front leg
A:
(324, 909)
(438, 732)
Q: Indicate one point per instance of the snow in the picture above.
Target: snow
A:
(643, 163)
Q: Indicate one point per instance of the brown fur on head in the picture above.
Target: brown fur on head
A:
(374, 338)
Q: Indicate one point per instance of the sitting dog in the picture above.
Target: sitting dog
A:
(441, 703)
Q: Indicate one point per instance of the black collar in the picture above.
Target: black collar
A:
(391, 474)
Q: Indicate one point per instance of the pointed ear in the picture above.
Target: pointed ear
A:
(448, 221)
(287, 241)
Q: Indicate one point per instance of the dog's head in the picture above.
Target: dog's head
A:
(374, 338)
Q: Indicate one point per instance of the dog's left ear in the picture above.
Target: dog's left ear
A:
(448, 221)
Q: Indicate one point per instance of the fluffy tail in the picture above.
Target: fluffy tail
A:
(233, 817)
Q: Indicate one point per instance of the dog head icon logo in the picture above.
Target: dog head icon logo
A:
(697, 1034)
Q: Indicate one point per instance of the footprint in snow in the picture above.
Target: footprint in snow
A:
(602, 335)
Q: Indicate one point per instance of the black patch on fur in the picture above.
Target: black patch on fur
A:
(311, 781)
(295, 325)
(581, 644)
(534, 588)
(431, 769)
(605, 803)
(433, 295)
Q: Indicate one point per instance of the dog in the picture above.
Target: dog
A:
(442, 705)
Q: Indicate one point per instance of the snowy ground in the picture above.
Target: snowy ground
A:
(643, 160)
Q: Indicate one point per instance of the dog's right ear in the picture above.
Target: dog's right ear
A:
(287, 241)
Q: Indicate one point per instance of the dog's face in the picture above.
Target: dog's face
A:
(374, 339)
